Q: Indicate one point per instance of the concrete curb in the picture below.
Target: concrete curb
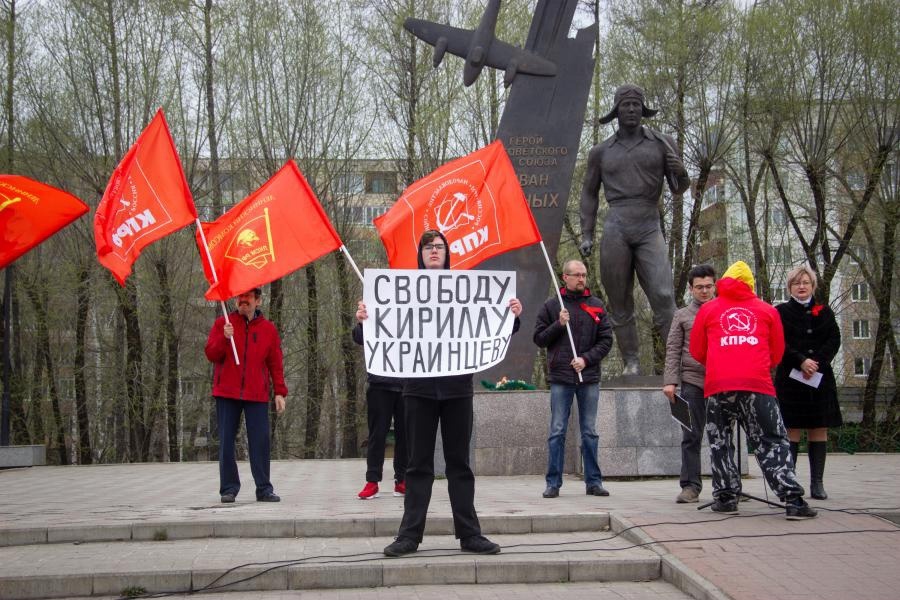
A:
(288, 528)
(435, 570)
(673, 570)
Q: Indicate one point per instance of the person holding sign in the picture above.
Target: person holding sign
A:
(682, 368)
(804, 381)
(592, 335)
(445, 402)
(244, 388)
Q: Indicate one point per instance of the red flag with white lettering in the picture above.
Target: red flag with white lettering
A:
(30, 212)
(475, 201)
(147, 198)
(272, 232)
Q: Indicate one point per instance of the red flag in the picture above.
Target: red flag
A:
(475, 201)
(272, 232)
(147, 198)
(30, 212)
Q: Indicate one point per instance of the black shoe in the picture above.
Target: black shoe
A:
(478, 544)
(817, 490)
(227, 498)
(269, 498)
(551, 492)
(401, 546)
(596, 490)
(728, 506)
(797, 510)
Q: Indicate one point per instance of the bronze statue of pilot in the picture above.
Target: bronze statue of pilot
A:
(632, 165)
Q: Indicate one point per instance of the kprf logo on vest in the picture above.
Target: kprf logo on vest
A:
(466, 217)
(738, 326)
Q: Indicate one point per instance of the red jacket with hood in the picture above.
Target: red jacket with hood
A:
(739, 338)
(259, 349)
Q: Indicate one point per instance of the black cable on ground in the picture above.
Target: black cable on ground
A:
(437, 553)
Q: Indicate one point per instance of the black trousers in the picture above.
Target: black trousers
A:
(382, 405)
(423, 415)
(692, 440)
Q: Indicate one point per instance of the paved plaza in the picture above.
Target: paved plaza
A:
(68, 521)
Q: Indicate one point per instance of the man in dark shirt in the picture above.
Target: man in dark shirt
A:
(631, 165)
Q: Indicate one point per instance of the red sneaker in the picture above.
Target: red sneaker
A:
(400, 488)
(369, 492)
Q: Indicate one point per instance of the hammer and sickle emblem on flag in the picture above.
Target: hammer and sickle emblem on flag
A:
(453, 212)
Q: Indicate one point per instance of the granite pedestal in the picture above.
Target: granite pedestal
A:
(638, 437)
(22, 456)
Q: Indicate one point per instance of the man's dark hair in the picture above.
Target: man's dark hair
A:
(700, 271)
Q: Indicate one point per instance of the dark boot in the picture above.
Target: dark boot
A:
(817, 451)
(795, 450)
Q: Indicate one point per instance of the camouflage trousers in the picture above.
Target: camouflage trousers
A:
(758, 414)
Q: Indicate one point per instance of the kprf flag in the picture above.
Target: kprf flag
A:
(147, 198)
(276, 230)
(475, 201)
(30, 212)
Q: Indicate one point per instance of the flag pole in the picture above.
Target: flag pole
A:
(343, 249)
(561, 305)
(7, 363)
(212, 269)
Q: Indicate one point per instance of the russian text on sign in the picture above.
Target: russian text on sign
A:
(434, 323)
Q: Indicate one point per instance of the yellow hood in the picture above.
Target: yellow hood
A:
(741, 271)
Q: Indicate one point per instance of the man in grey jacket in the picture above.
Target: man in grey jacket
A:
(682, 368)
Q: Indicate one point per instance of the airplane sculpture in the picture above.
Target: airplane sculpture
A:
(480, 48)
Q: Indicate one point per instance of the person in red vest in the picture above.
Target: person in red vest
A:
(245, 388)
(740, 339)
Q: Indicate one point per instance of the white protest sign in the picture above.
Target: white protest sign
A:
(428, 323)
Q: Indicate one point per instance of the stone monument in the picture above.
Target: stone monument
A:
(541, 129)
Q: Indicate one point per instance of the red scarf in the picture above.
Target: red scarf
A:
(594, 311)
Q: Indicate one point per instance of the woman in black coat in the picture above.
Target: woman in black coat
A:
(812, 339)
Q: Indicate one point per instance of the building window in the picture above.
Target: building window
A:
(381, 182)
(858, 254)
(861, 329)
(362, 215)
(859, 292)
(861, 366)
(779, 219)
(890, 180)
(779, 294)
(348, 183)
(856, 181)
(780, 254)
(712, 195)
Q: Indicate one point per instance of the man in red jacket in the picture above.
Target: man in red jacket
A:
(244, 389)
(739, 338)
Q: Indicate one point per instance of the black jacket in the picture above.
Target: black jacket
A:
(449, 386)
(807, 335)
(393, 384)
(591, 331)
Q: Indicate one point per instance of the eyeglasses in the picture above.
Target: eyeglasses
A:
(576, 275)
(704, 288)
(430, 247)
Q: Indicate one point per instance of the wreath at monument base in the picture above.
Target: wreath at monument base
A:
(506, 384)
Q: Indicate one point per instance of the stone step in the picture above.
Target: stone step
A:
(612, 590)
(260, 564)
(230, 527)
